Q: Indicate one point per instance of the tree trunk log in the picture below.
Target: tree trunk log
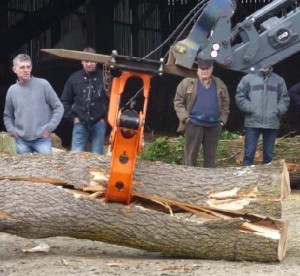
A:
(180, 211)
(255, 189)
(42, 210)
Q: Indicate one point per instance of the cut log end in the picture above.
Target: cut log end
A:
(285, 181)
(282, 246)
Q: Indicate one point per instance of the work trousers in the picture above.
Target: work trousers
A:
(83, 135)
(251, 139)
(208, 137)
(40, 145)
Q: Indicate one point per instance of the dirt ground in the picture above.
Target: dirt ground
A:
(68, 256)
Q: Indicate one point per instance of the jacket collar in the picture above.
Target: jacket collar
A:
(265, 74)
(93, 74)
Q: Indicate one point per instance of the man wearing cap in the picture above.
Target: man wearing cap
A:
(202, 107)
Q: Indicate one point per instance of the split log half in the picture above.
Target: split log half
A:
(40, 210)
(255, 189)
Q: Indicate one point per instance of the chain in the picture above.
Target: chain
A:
(107, 78)
(191, 16)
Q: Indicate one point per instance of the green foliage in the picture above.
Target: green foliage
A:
(168, 150)
(171, 149)
(221, 150)
(228, 135)
(7, 143)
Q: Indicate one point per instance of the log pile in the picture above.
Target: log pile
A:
(223, 213)
(286, 148)
(231, 153)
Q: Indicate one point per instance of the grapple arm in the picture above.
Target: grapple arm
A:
(266, 37)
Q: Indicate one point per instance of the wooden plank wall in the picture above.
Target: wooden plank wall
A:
(17, 9)
(136, 37)
(139, 26)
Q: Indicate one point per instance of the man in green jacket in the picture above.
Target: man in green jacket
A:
(202, 107)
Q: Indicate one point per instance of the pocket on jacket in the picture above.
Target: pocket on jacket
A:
(275, 116)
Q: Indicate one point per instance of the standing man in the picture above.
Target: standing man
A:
(263, 97)
(85, 103)
(32, 109)
(202, 107)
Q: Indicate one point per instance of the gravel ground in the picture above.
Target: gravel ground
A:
(68, 256)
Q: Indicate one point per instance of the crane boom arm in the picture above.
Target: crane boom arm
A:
(266, 37)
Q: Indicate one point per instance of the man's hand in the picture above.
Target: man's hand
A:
(14, 134)
(46, 133)
(76, 120)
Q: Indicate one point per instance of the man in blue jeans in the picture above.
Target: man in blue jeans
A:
(85, 103)
(32, 109)
(263, 97)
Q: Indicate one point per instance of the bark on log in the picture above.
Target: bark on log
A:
(255, 189)
(42, 210)
(170, 214)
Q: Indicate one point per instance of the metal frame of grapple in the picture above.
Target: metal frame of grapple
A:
(126, 139)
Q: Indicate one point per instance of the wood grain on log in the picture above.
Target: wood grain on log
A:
(180, 211)
(43, 210)
(255, 189)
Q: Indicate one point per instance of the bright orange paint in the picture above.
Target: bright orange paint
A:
(126, 144)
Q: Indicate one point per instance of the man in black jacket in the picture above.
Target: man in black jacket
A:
(85, 103)
(294, 93)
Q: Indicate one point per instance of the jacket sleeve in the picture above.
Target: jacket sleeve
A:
(225, 105)
(67, 99)
(9, 118)
(180, 102)
(284, 99)
(294, 93)
(242, 96)
(57, 108)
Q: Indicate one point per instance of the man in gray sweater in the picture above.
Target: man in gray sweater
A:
(32, 109)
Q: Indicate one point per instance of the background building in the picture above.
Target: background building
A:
(132, 27)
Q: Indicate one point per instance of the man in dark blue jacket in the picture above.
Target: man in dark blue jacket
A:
(85, 102)
(294, 92)
(263, 97)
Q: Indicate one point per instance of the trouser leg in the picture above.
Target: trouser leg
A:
(251, 139)
(22, 146)
(193, 140)
(269, 137)
(97, 137)
(42, 145)
(210, 144)
(80, 137)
